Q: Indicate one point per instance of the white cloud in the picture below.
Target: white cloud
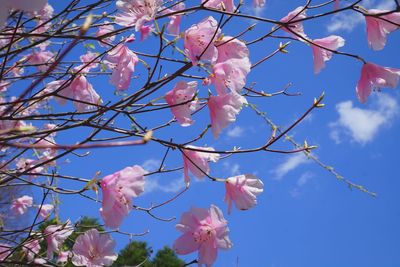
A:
(362, 125)
(152, 184)
(348, 20)
(235, 132)
(304, 178)
(231, 169)
(290, 164)
(151, 165)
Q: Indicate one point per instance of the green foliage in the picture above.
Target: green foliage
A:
(137, 252)
(166, 257)
(133, 254)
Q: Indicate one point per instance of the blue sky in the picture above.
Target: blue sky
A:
(305, 217)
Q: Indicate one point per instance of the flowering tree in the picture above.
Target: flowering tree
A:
(173, 86)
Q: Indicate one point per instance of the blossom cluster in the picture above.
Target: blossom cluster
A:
(226, 60)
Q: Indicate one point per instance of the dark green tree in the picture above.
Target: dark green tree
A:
(133, 254)
(166, 257)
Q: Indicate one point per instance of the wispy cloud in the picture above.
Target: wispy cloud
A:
(290, 164)
(362, 125)
(232, 169)
(301, 182)
(151, 164)
(348, 20)
(235, 132)
(153, 184)
(304, 179)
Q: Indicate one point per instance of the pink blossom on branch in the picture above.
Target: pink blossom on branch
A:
(226, 5)
(123, 62)
(199, 41)
(223, 110)
(242, 190)
(89, 62)
(93, 249)
(375, 77)
(205, 231)
(63, 256)
(5, 251)
(321, 55)
(231, 48)
(197, 162)
(31, 248)
(45, 210)
(175, 20)
(20, 205)
(297, 27)
(81, 90)
(232, 67)
(118, 190)
(136, 12)
(182, 93)
(105, 29)
(42, 59)
(378, 28)
(230, 75)
(55, 236)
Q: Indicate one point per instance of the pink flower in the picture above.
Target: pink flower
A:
(81, 90)
(88, 62)
(296, 27)
(63, 256)
(233, 66)
(118, 189)
(242, 190)
(55, 86)
(39, 261)
(45, 210)
(5, 251)
(45, 13)
(223, 110)
(42, 59)
(378, 29)
(31, 248)
(231, 48)
(226, 5)
(258, 3)
(20, 205)
(205, 231)
(93, 249)
(199, 41)
(26, 164)
(230, 74)
(145, 31)
(175, 20)
(197, 162)
(105, 29)
(321, 55)
(182, 93)
(4, 86)
(123, 62)
(136, 12)
(55, 236)
(376, 77)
